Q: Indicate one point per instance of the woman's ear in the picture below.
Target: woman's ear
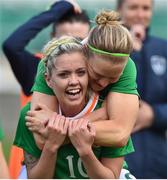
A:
(48, 80)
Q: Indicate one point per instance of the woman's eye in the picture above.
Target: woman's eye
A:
(81, 73)
(63, 75)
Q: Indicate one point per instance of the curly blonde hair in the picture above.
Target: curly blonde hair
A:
(57, 47)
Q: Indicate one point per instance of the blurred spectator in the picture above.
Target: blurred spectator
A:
(150, 57)
(4, 174)
(67, 19)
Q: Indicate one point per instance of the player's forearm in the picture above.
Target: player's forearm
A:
(39, 140)
(110, 133)
(45, 167)
(94, 167)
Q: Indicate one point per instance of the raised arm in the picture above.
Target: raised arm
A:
(24, 64)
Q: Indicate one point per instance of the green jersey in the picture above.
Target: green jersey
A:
(126, 83)
(68, 163)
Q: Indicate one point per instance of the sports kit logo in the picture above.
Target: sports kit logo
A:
(158, 64)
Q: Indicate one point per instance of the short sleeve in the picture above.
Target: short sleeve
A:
(40, 84)
(127, 82)
(24, 138)
(113, 152)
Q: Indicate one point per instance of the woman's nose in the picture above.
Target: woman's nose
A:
(73, 80)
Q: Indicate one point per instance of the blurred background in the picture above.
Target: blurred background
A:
(13, 13)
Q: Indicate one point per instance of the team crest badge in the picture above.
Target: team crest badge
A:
(158, 64)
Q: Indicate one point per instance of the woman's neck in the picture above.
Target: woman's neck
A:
(71, 111)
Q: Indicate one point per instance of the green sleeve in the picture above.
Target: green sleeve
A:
(113, 152)
(24, 138)
(40, 84)
(127, 82)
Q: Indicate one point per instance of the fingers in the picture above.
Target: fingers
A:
(70, 127)
(76, 6)
(60, 123)
(52, 119)
(30, 121)
(31, 113)
(78, 126)
(33, 126)
(34, 129)
(92, 129)
(34, 113)
(66, 124)
(84, 122)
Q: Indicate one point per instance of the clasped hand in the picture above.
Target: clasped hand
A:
(55, 128)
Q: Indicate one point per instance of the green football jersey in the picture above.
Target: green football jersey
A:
(68, 164)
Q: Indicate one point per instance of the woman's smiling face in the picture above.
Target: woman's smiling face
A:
(69, 79)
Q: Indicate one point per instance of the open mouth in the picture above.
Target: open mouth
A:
(73, 93)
